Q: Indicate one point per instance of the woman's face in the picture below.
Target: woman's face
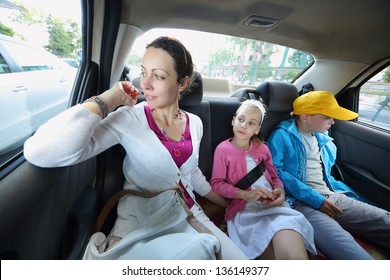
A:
(159, 79)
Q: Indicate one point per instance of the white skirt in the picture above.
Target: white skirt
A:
(164, 235)
(253, 228)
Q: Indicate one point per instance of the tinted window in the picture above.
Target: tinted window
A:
(3, 65)
(227, 62)
(36, 35)
(374, 100)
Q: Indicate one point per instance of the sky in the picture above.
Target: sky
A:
(59, 8)
(66, 9)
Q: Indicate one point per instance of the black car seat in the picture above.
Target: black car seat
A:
(192, 101)
(278, 97)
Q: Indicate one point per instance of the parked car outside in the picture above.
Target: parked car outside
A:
(34, 86)
(72, 62)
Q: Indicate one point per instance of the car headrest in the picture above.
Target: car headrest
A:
(278, 96)
(193, 95)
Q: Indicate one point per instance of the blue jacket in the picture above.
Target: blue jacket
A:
(289, 157)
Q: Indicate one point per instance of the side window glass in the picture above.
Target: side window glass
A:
(3, 66)
(37, 40)
(374, 100)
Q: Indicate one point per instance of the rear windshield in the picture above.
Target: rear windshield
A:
(229, 62)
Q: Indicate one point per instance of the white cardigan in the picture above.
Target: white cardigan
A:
(77, 135)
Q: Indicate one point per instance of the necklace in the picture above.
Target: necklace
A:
(175, 116)
(176, 152)
(178, 115)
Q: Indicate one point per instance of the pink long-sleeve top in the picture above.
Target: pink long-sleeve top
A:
(230, 166)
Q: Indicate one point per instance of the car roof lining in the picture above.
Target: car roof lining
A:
(322, 28)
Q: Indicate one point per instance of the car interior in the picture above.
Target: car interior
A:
(48, 213)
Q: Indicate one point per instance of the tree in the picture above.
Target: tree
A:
(300, 59)
(260, 56)
(386, 75)
(134, 59)
(289, 75)
(63, 39)
(63, 35)
(218, 59)
(6, 30)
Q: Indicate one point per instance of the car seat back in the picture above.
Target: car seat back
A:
(278, 98)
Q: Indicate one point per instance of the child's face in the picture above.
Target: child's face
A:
(246, 123)
(317, 122)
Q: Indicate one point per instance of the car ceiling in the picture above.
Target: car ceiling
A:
(350, 30)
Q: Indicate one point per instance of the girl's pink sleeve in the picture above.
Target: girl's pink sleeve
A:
(219, 182)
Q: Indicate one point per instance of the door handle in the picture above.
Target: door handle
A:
(19, 88)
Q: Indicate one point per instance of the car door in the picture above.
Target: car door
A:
(364, 146)
(16, 111)
(45, 213)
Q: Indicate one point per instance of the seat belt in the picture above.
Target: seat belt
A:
(251, 177)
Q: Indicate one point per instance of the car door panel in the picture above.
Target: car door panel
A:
(37, 209)
(363, 157)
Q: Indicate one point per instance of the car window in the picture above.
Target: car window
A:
(229, 63)
(35, 81)
(374, 100)
(4, 68)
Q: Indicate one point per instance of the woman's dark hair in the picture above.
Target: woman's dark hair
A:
(182, 57)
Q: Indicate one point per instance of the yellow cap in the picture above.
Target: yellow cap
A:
(321, 102)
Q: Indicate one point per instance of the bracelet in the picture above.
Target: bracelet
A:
(101, 103)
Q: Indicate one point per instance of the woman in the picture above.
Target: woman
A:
(162, 145)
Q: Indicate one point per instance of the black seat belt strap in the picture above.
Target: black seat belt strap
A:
(251, 177)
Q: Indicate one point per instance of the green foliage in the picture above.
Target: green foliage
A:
(263, 72)
(64, 35)
(63, 39)
(6, 30)
(300, 59)
(386, 75)
(220, 57)
(289, 75)
(134, 59)
(29, 16)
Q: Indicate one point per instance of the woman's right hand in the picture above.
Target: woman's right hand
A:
(121, 93)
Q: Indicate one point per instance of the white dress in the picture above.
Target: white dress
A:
(253, 228)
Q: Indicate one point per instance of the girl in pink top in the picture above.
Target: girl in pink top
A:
(259, 220)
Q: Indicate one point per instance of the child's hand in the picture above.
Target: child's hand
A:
(257, 194)
(278, 197)
(330, 208)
